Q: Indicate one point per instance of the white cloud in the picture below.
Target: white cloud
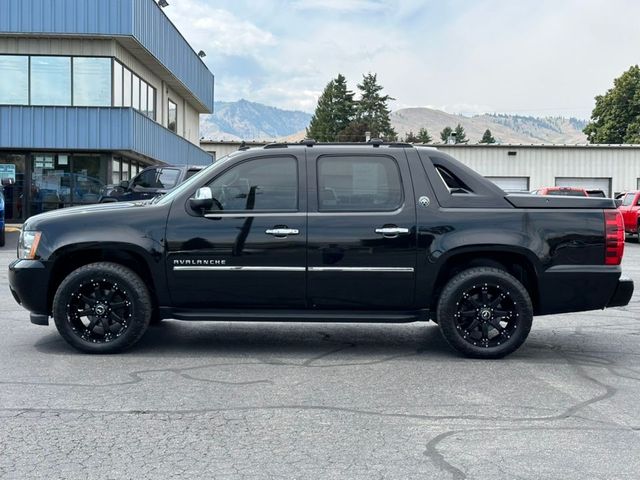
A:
(529, 57)
(339, 5)
(217, 30)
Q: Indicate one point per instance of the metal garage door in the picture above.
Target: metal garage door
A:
(511, 184)
(603, 184)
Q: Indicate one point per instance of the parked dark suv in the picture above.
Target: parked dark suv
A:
(152, 181)
(309, 232)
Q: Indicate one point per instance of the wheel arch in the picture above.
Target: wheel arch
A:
(72, 257)
(515, 261)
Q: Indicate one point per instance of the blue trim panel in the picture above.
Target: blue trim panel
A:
(143, 20)
(95, 129)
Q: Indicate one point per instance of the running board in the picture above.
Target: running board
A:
(332, 316)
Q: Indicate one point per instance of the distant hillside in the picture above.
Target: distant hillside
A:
(244, 120)
(505, 128)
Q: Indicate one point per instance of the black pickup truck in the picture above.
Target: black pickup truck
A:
(310, 232)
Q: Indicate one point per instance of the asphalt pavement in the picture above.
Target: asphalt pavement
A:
(322, 401)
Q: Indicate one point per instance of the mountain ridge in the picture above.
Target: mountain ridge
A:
(251, 121)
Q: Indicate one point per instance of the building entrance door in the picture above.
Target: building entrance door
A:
(12, 175)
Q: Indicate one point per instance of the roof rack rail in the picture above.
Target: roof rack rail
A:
(276, 145)
(244, 146)
(309, 142)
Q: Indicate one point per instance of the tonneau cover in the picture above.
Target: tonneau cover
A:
(551, 201)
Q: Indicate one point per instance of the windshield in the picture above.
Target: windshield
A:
(567, 193)
(628, 199)
(188, 184)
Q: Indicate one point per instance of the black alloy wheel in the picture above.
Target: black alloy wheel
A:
(102, 308)
(99, 311)
(485, 313)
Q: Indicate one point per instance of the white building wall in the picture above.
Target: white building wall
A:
(543, 164)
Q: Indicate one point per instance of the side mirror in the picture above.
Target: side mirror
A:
(618, 202)
(202, 200)
(124, 184)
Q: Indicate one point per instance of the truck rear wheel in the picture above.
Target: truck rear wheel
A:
(102, 308)
(485, 313)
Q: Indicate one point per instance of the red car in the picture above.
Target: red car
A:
(630, 209)
(562, 191)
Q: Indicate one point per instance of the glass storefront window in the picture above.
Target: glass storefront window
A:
(127, 88)
(12, 169)
(172, 124)
(88, 172)
(117, 84)
(135, 90)
(14, 86)
(50, 80)
(152, 102)
(50, 183)
(92, 82)
(125, 170)
(144, 89)
(116, 178)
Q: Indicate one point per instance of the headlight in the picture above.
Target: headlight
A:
(28, 245)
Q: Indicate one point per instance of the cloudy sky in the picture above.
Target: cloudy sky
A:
(537, 57)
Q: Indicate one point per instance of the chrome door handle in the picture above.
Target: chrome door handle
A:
(282, 232)
(392, 231)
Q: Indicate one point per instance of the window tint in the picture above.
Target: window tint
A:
(261, 184)
(358, 184)
(168, 178)
(147, 179)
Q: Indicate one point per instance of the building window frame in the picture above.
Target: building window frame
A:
(152, 92)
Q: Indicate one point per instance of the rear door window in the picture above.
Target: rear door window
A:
(359, 184)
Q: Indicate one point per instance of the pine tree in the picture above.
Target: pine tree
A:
(488, 137)
(461, 136)
(344, 105)
(322, 126)
(445, 134)
(373, 110)
(335, 111)
(423, 136)
(411, 138)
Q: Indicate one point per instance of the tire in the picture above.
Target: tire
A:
(485, 313)
(102, 308)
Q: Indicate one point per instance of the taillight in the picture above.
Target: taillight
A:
(614, 233)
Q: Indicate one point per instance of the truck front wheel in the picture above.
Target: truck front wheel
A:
(485, 313)
(102, 308)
